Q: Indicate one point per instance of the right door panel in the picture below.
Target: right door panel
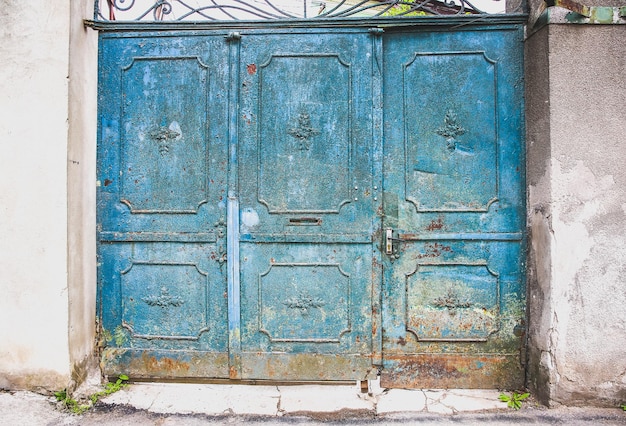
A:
(453, 293)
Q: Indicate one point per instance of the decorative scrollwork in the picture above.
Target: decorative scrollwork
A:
(451, 130)
(303, 131)
(242, 10)
(163, 300)
(304, 302)
(451, 302)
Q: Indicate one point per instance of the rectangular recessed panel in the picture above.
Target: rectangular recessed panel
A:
(163, 165)
(452, 302)
(304, 133)
(451, 137)
(302, 302)
(164, 301)
(306, 298)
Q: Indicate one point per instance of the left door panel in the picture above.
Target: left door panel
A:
(162, 160)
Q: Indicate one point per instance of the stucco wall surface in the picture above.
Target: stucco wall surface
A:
(576, 117)
(81, 206)
(34, 40)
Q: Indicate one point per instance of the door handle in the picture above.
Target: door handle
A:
(391, 248)
(389, 241)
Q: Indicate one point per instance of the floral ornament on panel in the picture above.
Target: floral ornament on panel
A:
(451, 302)
(163, 300)
(304, 131)
(164, 137)
(304, 302)
(451, 130)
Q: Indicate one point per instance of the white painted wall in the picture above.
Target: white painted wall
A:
(34, 43)
(81, 206)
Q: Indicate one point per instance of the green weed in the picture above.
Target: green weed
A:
(514, 400)
(70, 403)
(110, 388)
(77, 407)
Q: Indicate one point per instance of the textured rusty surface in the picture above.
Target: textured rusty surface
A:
(158, 364)
(307, 205)
(437, 371)
(572, 5)
(307, 367)
(454, 289)
(238, 205)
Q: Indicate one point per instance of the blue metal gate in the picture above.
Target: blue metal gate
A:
(306, 203)
(162, 176)
(454, 310)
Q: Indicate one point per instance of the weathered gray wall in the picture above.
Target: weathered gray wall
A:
(576, 124)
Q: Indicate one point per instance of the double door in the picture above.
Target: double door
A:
(312, 205)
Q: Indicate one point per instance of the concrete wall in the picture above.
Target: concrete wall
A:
(36, 184)
(81, 192)
(576, 121)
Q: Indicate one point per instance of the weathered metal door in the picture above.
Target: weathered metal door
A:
(453, 312)
(306, 202)
(162, 205)
(312, 204)
(236, 206)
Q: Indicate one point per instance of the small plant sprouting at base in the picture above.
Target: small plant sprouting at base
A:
(514, 400)
(623, 407)
(70, 403)
(77, 408)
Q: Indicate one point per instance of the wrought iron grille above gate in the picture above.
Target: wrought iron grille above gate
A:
(276, 10)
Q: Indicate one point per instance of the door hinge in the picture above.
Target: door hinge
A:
(233, 36)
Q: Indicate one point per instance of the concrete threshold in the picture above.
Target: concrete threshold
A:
(167, 404)
(281, 400)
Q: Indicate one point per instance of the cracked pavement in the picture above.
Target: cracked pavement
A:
(197, 404)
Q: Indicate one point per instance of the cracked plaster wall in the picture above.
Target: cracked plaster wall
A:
(576, 121)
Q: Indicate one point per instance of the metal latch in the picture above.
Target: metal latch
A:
(389, 241)
(391, 245)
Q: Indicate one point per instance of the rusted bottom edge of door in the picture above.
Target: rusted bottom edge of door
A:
(453, 371)
(141, 364)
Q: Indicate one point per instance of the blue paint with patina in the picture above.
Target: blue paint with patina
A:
(454, 288)
(246, 178)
